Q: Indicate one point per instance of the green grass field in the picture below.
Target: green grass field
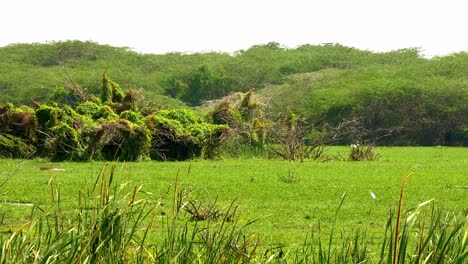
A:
(287, 199)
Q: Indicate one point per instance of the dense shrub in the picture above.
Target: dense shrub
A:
(94, 130)
(180, 135)
(105, 113)
(120, 140)
(413, 113)
(14, 147)
(88, 108)
(245, 115)
(132, 116)
(19, 122)
(64, 143)
(47, 116)
(110, 90)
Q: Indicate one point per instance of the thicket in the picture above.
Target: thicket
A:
(116, 127)
(398, 96)
(112, 127)
(245, 115)
(420, 102)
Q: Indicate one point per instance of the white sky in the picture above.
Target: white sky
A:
(153, 26)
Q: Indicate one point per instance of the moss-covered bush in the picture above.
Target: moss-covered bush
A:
(105, 114)
(47, 116)
(14, 147)
(5, 117)
(132, 116)
(245, 115)
(64, 144)
(88, 108)
(20, 122)
(121, 140)
(110, 90)
(95, 131)
(180, 135)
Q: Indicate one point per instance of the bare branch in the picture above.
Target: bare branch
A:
(71, 85)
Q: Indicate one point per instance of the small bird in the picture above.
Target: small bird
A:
(372, 195)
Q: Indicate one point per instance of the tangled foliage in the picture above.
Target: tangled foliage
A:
(245, 115)
(110, 90)
(17, 131)
(287, 137)
(180, 135)
(14, 147)
(111, 129)
(120, 140)
(47, 116)
(116, 129)
(105, 114)
(132, 116)
(20, 122)
(88, 108)
(361, 152)
(64, 144)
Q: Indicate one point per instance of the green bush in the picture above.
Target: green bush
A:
(97, 132)
(245, 115)
(88, 108)
(47, 116)
(132, 116)
(121, 140)
(14, 147)
(19, 122)
(180, 135)
(110, 90)
(104, 114)
(64, 144)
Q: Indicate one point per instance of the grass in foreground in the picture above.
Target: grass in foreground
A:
(112, 227)
(283, 217)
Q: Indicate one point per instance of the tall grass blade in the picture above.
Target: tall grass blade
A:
(398, 221)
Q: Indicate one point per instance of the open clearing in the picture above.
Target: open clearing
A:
(287, 199)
